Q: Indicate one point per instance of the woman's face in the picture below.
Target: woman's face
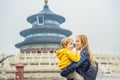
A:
(78, 43)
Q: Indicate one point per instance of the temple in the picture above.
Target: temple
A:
(45, 34)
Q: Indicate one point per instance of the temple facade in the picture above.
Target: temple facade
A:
(44, 67)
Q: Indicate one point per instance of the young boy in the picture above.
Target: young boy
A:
(66, 57)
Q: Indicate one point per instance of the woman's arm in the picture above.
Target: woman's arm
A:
(74, 66)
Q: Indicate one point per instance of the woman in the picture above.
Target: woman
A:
(87, 66)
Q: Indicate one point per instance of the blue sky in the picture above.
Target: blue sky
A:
(98, 19)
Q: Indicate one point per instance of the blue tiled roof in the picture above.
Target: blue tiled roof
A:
(40, 40)
(46, 10)
(48, 15)
(45, 30)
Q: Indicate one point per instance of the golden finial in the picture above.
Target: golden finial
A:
(46, 2)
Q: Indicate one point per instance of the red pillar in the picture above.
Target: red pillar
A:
(19, 71)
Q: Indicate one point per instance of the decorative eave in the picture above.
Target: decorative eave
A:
(26, 32)
(48, 15)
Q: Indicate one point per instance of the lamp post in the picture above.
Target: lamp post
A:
(19, 71)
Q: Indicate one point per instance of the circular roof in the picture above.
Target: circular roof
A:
(45, 30)
(48, 14)
(40, 40)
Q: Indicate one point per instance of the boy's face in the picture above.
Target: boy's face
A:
(70, 45)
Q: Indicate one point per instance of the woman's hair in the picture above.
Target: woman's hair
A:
(65, 41)
(85, 45)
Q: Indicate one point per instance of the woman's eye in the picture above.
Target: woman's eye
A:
(77, 41)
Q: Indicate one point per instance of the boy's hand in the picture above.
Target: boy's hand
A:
(77, 49)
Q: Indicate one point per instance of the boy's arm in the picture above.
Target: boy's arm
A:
(74, 66)
(75, 57)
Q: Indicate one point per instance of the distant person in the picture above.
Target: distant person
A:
(66, 57)
(87, 66)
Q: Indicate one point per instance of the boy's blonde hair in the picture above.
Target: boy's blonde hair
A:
(65, 41)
